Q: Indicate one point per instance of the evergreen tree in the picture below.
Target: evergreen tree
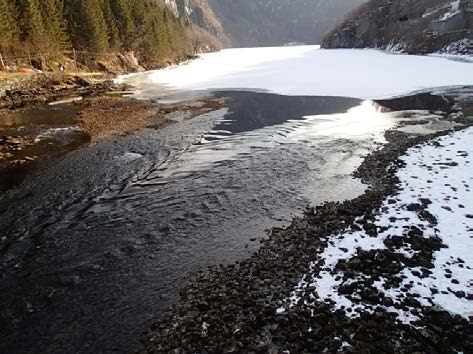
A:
(9, 30)
(51, 26)
(35, 32)
(94, 26)
(113, 33)
(124, 18)
(55, 25)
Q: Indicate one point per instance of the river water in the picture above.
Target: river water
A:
(95, 246)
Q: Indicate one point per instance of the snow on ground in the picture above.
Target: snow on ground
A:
(431, 11)
(442, 174)
(452, 11)
(308, 70)
(459, 50)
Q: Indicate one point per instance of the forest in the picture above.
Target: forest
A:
(38, 27)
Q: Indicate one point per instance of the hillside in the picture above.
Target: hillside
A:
(40, 33)
(276, 22)
(411, 26)
(243, 23)
(127, 35)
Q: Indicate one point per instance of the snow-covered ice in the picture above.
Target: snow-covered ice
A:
(308, 70)
(439, 173)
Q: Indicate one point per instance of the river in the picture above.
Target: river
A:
(96, 245)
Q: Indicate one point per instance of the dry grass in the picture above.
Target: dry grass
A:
(108, 117)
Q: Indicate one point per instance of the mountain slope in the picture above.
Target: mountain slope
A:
(263, 22)
(276, 22)
(207, 31)
(39, 30)
(411, 26)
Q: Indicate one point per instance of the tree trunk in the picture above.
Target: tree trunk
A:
(2, 64)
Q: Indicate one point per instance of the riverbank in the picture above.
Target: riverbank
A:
(272, 302)
(86, 110)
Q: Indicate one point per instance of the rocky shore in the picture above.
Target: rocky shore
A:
(250, 307)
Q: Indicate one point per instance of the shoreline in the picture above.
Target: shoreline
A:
(100, 110)
(239, 307)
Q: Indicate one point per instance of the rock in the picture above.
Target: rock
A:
(362, 335)
(370, 229)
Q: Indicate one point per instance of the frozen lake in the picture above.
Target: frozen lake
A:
(307, 71)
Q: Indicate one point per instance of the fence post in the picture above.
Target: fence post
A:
(2, 64)
(75, 59)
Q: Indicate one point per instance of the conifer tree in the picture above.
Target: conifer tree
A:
(51, 26)
(93, 25)
(34, 28)
(124, 18)
(113, 33)
(54, 23)
(9, 30)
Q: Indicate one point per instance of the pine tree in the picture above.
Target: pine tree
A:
(124, 18)
(94, 25)
(35, 31)
(50, 26)
(55, 25)
(113, 33)
(9, 38)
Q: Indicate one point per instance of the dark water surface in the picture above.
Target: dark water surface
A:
(44, 116)
(53, 132)
(95, 246)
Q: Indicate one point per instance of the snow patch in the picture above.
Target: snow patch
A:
(441, 173)
(460, 49)
(453, 10)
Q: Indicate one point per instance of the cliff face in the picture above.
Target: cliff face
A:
(276, 22)
(411, 26)
(207, 32)
(199, 13)
(263, 22)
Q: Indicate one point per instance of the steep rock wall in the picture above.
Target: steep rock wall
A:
(276, 22)
(262, 22)
(411, 26)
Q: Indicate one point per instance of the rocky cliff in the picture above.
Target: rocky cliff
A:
(276, 22)
(263, 22)
(207, 31)
(411, 26)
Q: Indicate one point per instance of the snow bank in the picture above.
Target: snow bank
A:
(308, 70)
(443, 175)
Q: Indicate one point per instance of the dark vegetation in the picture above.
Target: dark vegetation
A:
(34, 27)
